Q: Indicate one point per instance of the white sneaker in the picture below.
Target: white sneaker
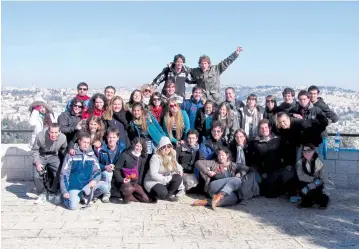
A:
(41, 199)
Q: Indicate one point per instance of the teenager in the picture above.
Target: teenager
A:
(96, 106)
(252, 114)
(129, 173)
(225, 115)
(192, 105)
(164, 179)
(80, 178)
(82, 90)
(204, 119)
(157, 107)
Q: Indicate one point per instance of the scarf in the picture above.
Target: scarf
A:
(241, 159)
(83, 98)
(251, 127)
(157, 112)
(97, 112)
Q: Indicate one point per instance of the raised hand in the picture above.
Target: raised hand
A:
(239, 49)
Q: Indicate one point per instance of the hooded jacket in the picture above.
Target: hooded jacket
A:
(78, 170)
(103, 154)
(191, 106)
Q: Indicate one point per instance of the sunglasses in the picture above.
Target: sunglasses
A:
(167, 146)
(78, 106)
(270, 101)
(147, 90)
(171, 106)
(82, 88)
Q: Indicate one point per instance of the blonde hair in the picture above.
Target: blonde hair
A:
(143, 117)
(178, 117)
(147, 86)
(107, 115)
(169, 161)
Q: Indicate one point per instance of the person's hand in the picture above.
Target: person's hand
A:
(239, 49)
(180, 173)
(79, 125)
(72, 152)
(182, 142)
(298, 116)
(109, 167)
(238, 175)
(66, 195)
(39, 167)
(97, 144)
(92, 184)
(211, 173)
(126, 180)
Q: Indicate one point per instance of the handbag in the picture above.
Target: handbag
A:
(131, 173)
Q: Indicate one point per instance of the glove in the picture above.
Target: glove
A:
(311, 186)
(317, 182)
(305, 190)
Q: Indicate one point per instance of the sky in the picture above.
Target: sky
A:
(58, 44)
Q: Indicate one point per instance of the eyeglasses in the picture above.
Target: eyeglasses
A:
(78, 106)
(307, 151)
(82, 88)
(156, 99)
(171, 106)
(167, 146)
(217, 131)
(270, 101)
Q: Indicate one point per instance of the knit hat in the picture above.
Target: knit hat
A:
(163, 141)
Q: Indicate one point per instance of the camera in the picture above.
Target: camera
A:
(43, 172)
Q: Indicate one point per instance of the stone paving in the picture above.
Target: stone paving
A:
(257, 223)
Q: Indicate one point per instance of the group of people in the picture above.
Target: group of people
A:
(160, 145)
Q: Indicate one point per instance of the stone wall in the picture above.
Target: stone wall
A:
(16, 162)
(342, 167)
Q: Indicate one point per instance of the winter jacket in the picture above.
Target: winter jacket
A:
(285, 107)
(37, 120)
(44, 146)
(231, 128)
(207, 149)
(103, 154)
(78, 170)
(86, 100)
(326, 110)
(191, 106)
(266, 156)
(68, 122)
(186, 128)
(180, 79)
(154, 132)
(209, 81)
(119, 122)
(203, 124)
(307, 173)
(158, 174)
(271, 115)
(128, 161)
(187, 156)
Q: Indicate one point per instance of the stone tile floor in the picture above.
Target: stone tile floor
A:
(257, 223)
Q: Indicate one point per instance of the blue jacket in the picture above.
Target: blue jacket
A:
(191, 106)
(187, 127)
(78, 170)
(155, 131)
(207, 149)
(103, 155)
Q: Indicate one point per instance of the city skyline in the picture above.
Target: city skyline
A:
(124, 43)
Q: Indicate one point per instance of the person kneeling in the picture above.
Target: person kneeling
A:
(164, 179)
(310, 171)
(128, 173)
(81, 174)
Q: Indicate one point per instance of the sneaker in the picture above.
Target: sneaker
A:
(172, 198)
(41, 199)
(57, 199)
(105, 198)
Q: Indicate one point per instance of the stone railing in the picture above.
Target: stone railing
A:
(342, 167)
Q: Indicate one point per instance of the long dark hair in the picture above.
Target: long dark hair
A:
(159, 95)
(139, 140)
(74, 101)
(131, 102)
(93, 102)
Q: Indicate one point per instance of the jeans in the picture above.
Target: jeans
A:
(51, 164)
(107, 177)
(228, 186)
(76, 195)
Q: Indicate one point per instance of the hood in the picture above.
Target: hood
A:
(163, 141)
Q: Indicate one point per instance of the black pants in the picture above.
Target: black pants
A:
(160, 191)
(52, 165)
(314, 196)
(280, 182)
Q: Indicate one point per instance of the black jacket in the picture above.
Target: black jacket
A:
(285, 107)
(200, 124)
(68, 122)
(119, 122)
(187, 157)
(180, 79)
(129, 161)
(326, 110)
(271, 115)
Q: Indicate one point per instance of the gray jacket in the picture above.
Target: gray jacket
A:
(44, 146)
(210, 80)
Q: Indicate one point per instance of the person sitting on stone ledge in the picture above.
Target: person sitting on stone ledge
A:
(80, 178)
(310, 171)
(47, 152)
